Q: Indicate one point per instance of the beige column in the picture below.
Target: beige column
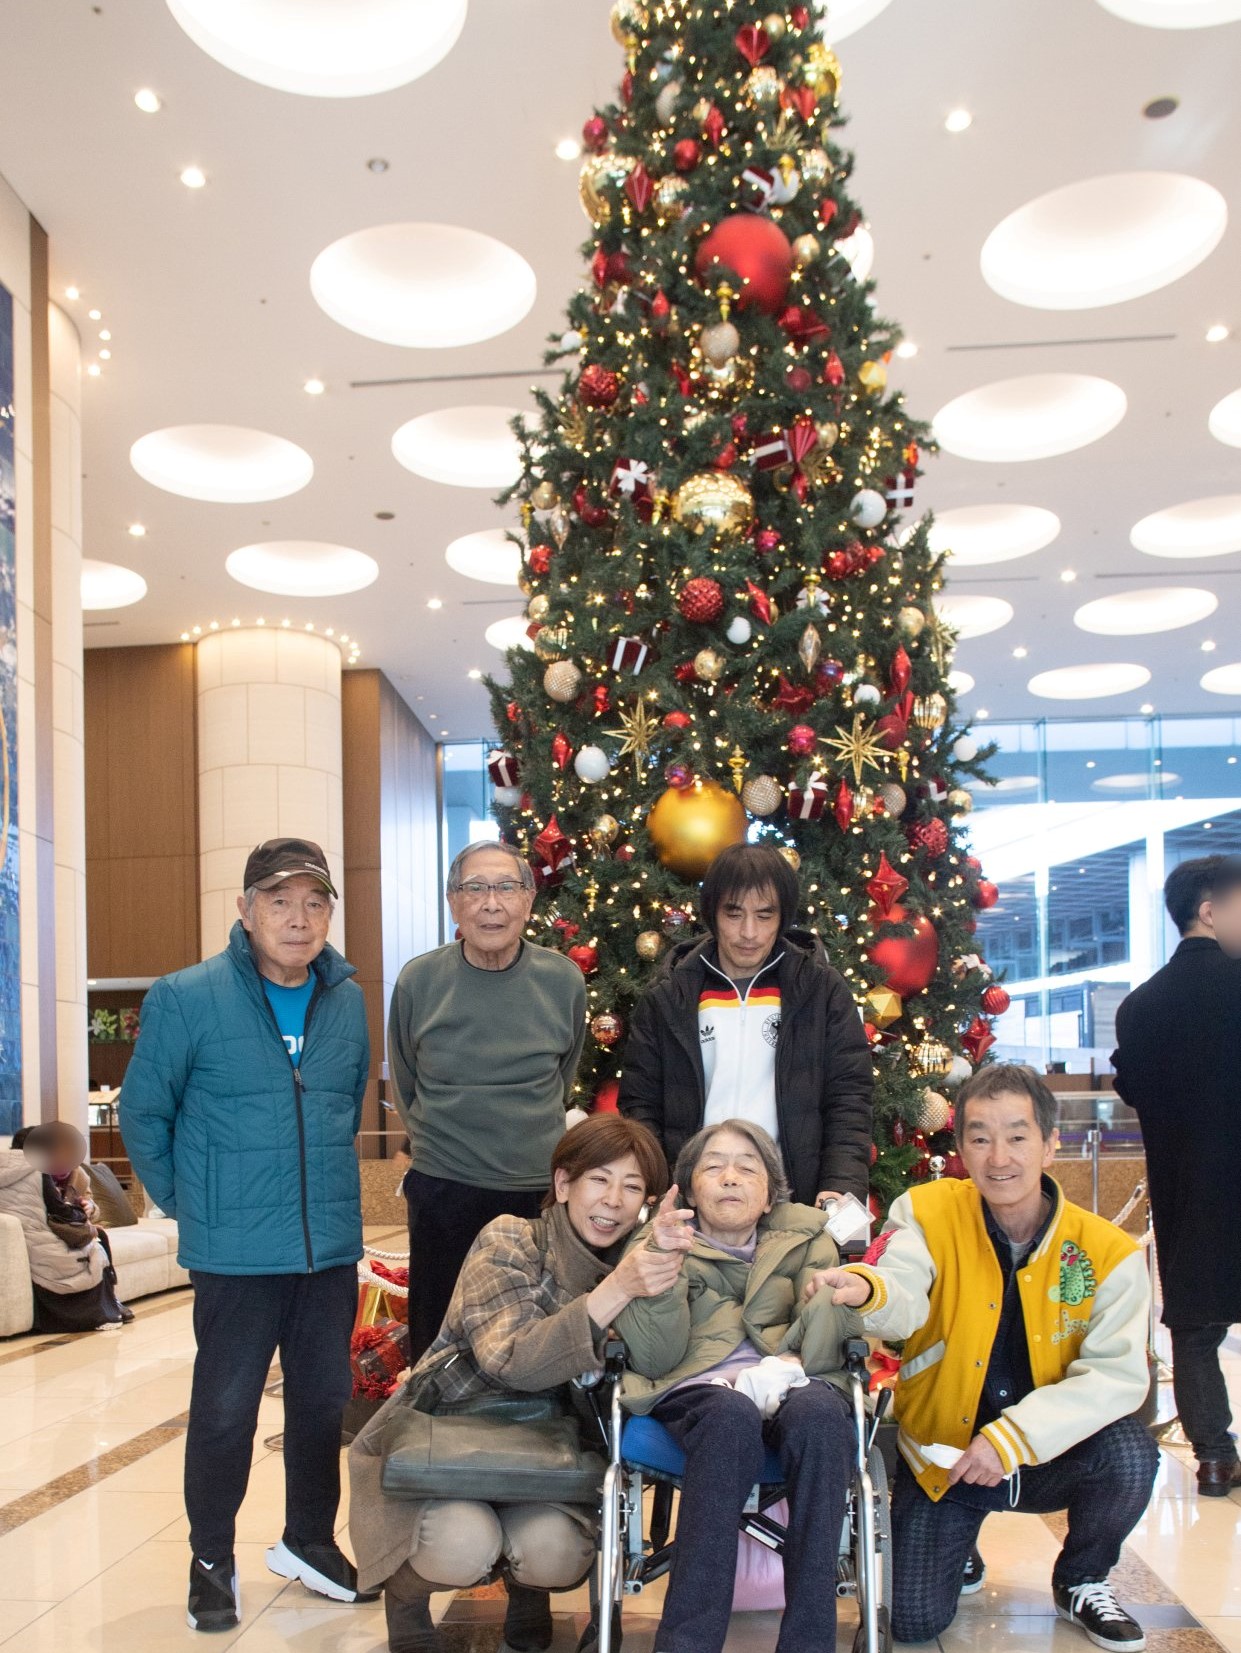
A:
(269, 759)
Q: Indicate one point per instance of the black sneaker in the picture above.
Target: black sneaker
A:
(527, 1619)
(323, 1568)
(975, 1574)
(215, 1596)
(1095, 1609)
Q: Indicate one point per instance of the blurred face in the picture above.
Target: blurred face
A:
(490, 920)
(746, 928)
(1221, 917)
(287, 927)
(603, 1205)
(729, 1190)
(1005, 1156)
(58, 1150)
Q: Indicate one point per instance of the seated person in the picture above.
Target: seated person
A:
(1024, 1319)
(530, 1312)
(724, 1361)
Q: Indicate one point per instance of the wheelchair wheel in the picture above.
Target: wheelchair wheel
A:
(878, 1567)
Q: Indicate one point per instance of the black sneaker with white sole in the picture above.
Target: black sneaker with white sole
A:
(1095, 1609)
(323, 1568)
(215, 1596)
(975, 1574)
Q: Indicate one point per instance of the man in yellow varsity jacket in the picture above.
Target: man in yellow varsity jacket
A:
(1024, 1319)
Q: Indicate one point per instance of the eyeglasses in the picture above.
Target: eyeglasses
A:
(506, 889)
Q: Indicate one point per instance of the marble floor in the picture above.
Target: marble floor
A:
(93, 1549)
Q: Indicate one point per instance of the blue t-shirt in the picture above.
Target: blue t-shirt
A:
(289, 1005)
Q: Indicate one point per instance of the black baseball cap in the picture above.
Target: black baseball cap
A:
(280, 858)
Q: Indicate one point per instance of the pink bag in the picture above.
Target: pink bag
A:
(759, 1585)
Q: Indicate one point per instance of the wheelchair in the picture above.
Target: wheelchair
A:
(642, 1454)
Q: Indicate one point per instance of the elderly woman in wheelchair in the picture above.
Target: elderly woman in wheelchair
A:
(734, 1365)
(530, 1313)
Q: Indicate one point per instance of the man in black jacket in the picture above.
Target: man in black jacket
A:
(753, 1023)
(1179, 1066)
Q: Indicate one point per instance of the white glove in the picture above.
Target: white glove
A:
(769, 1382)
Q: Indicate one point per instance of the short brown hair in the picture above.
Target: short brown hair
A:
(602, 1139)
(1008, 1079)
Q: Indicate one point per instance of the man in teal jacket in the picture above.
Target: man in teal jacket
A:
(239, 1112)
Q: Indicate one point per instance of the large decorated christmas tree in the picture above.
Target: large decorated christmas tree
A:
(731, 608)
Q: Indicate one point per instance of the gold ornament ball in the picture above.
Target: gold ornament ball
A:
(893, 797)
(763, 795)
(709, 665)
(730, 380)
(550, 642)
(822, 69)
(714, 502)
(606, 1028)
(775, 26)
(911, 621)
(930, 710)
(538, 608)
(670, 193)
(562, 681)
(629, 20)
(689, 826)
(873, 377)
(806, 249)
(935, 1112)
(602, 175)
(815, 165)
(828, 433)
(763, 85)
(960, 802)
(544, 497)
(605, 829)
(932, 1058)
(790, 855)
(719, 342)
(649, 945)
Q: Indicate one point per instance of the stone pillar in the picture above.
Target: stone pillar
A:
(269, 760)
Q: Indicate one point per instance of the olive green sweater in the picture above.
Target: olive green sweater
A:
(482, 1062)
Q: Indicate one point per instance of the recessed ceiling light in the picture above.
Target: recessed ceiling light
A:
(72, 293)
(1207, 646)
(1141, 613)
(193, 177)
(466, 447)
(568, 149)
(1091, 682)
(94, 370)
(105, 333)
(1223, 680)
(324, 51)
(982, 713)
(1033, 417)
(1217, 333)
(105, 355)
(1020, 652)
(510, 633)
(1067, 576)
(425, 286)
(314, 387)
(148, 101)
(377, 164)
(1224, 421)
(487, 555)
(958, 120)
(108, 585)
(137, 530)
(302, 568)
(1199, 528)
(435, 602)
(95, 315)
(973, 535)
(960, 682)
(906, 349)
(474, 674)
(1146, 708)
(858, 252)
(973, 616)
(224, 463)
(1175, 14)
(1104, 240)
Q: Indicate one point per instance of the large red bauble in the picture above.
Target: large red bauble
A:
(995, 999)
(985, 895)
(585, 957)
(597, 386)
(908, 960)
(701, 600)
(801, 740)
(753, 250)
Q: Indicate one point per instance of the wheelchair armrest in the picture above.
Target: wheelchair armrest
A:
(857, 1352)
(614, 1357)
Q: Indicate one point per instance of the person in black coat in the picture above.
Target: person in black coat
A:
(1178, 1065)
(752, 1022)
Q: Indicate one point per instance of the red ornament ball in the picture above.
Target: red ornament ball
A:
(995, 1000)
(595, 134)
(623, 853)
(931, 836)
(677, 720)
(767, 540)
(801, 740)
(607, 1097)
(798, 379)
(986, 895)
(701, 600)
(686, 154)
(586, 958)
(755, 253)
(540, 559)
(598, 386)
(679, 775)
(606, 1028)
(908, 961)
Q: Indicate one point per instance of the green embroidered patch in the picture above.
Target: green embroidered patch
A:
(1077, 1276)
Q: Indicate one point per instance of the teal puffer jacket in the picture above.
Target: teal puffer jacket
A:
(253, 1158)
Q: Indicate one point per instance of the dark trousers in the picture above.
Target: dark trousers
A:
(1201, 1393)
(240, 1321)
(723, 1437)
(1104, 1482)
(445, 1218)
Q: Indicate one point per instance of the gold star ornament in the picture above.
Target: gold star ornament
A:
(637, 732)
(860, 749)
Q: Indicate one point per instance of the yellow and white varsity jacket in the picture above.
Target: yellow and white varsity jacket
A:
(938, 1285)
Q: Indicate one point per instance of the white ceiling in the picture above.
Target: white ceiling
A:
(207, 296)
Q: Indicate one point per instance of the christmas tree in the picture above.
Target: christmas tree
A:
(733, 632)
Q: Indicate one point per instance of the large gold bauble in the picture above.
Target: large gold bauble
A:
(605, 830)
(873, 377)
(544, 496)
(562, 681)
(806, 249)
(774, 25)
(935, 1112)
(930, 710)
(790, 855)
(649, 945)
(670, 193)
(550, 642)
(763, 85)
(911, 621)
(629, 21)
(689, 826)
(602, 176)
(709, 665)
(762, 795)
(538, 608)
(932, 1058)
(714, 502)
(960, 802)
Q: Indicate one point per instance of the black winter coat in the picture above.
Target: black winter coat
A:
(1178, 1065)
(823, 1066)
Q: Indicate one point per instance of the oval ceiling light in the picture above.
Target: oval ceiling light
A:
(302, 568)
(423, 286)
(488, 555)
(224, 463)
(108, 585)
(1136, 781)
(1224, 421)
(973, 535)
(842, 18)
(324, 51)
(1103, 240)
(1199, 528)
(1092, 682)
(510, 633)
(960, 682)
(1222, 680)
(973, 616)
(1140, 613)
(466, 447)
(1033, 417)
(1009, 783)
(1174, 14)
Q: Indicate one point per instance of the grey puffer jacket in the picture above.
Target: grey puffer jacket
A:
(53, 1264)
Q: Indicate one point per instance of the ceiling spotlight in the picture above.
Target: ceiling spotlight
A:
(148, 101)
(105, 333)
(981, 713)
(1146, 708)
(105, 355)
(474, 674)
(958, 120)
(568, 149)
(72, 293)
(1068, 575)
(95, 315)
(377, 163)
(314, 387)
(193, 177)
(1217, 333)
(1020, 652)
(906, 348)
(137, 530)
(435, 602)
(94, 370)
(1207, 646)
